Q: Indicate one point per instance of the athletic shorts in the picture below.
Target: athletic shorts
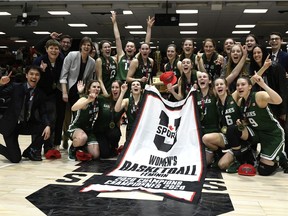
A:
(272, 143)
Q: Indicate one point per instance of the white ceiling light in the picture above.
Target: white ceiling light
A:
(127, 12)
(20, 41)
(186, 11)
(41, 32)
(188, 24)
(59, 13)
(188, 32)
(3, 13)
(77, 25)
(89, 32)
(244, 26)
(137, 32)
(255, 10)
(240, 32)
(133, 27)
(2, 33)
(3, 47)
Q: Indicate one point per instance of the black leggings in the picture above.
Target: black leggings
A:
(108, 142)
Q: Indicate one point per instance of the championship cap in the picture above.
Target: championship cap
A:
(168, 77)
(247, 170)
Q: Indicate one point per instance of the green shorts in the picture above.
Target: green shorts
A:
(272, 143)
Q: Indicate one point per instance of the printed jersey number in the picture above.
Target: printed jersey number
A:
(229, 120)
(253, 122)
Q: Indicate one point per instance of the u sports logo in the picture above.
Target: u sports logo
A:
(166, 134)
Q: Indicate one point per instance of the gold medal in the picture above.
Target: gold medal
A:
(224, 129)
(241, 127)
(111, 125)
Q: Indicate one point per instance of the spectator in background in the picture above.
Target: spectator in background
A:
(251, 41)
(65, 41)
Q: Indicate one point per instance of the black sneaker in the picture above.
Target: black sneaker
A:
(32, 154)
(72, 153)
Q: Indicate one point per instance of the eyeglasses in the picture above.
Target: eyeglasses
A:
(274, 39)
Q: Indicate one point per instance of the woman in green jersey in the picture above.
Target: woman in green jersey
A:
(81, 127)
(107, 125)
(257, 115)
(131, 105)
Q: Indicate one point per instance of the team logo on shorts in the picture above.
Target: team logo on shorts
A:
(166, 134)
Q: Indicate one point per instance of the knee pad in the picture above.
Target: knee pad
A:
(265, 170)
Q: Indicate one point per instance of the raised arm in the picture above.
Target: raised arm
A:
(5, 79)
(122, 103)
(235, 72)
(199, 62)
(269, 96)
(119, 49)
(150, 22)
(171, 89)
(83, 102)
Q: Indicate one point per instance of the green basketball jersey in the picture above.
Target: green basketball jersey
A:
(109, 71)
(123, 67)
(85, 118)
(229, 112)
(106, 114)
(260, 119)
(208, 112)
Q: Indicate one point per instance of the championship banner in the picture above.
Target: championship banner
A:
(164, 153)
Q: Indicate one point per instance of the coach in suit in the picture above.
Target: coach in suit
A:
(78, 65)
(26, 114)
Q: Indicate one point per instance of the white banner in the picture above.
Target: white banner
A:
(164, 153)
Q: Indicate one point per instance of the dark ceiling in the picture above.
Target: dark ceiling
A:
(216, 19)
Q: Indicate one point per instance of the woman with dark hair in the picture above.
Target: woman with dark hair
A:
(187, 50)
(130, 105)
(236, 66)
(174, 63)
(81, 127)
(187, 80)
(78, 65)
(141, 68)
(274, 77)
(257, 118)
(229, 113)
(212, 60)
(106, 67)
(251, 41)
(228, 43)
(107, 125)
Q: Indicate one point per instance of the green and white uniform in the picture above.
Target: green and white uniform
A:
(267, 129)
(131, 113)
(208, 112)
(109, 71)
(107, 117)
(185, 86)
(143, 70)
(173, 68)
(211, 67)
(123, 67)
(85, 120)
(229, 112)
